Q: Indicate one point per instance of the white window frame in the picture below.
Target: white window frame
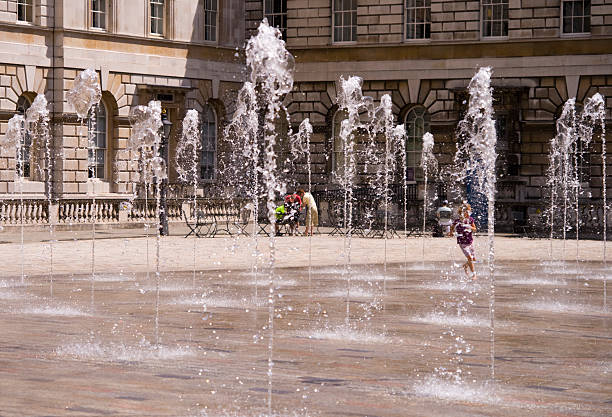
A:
(215, 32)
(414, 23)
(344, 12)
(416, 138)
(104, 13)
(29, 4)
(105, 166)
(282, 15)
(493, 4)
(204, 119)
(573, 34)
(163, 18)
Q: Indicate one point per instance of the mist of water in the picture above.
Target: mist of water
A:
(144, 144)
(475, 159)
(187, 164)
(84, 97)
(259, 107)
(429, 163)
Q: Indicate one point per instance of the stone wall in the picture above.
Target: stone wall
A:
(380, 22)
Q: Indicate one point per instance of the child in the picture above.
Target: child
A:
(464, 226)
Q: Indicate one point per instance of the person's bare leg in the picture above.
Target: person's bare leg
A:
(470, 264)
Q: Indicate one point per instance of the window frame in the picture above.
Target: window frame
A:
(425, 116)
(424, 23)
(216, 21)
(29, 4)
(163, 18)
(482, 19)
(333, 21)
(105, 149)
(208, 108)
(562, 18)
(105, 14)
(281, 14)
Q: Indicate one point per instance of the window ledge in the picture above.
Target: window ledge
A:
(494, 38)
(418, 41)
(344, 43)
(581, 35)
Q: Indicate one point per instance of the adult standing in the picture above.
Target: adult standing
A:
(444, 215)
(312, 214)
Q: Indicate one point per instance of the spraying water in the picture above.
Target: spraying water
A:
(475, 159)
(187, 158)
(429, 163)
(383, 123)
(244, 131)
(37, 125)
(84, 97)
(13, 140)
(260, 103)
(594, 116)
(144, 144)
(350, 100)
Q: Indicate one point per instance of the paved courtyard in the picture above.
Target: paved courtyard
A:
(413, 338)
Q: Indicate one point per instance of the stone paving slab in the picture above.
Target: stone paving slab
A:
(83, 348)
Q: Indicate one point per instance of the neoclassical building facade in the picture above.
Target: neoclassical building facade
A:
(187, 54)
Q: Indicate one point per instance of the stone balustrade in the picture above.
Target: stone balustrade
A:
(16, 211)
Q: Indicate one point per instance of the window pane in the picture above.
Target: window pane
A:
(576, 16)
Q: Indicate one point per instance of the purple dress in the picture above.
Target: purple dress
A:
(463, 228)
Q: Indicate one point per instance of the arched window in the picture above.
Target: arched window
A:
(97, 155)
(23, 157)
(208, 130)
(417, 123)
(337, 145)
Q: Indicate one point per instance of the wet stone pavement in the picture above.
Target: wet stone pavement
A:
(417, 343)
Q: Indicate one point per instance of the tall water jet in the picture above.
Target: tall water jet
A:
(187, 158)
(475, 159)
(271, 78)
(383, 123)
(37, 126)
(144, 146)
(594, 116)
(243, 131)
(14, 141)
(429, 163)
(350, 100)
(84, 97)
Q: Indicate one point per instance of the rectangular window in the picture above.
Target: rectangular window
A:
(98, 14)
(157, 17)
(345, 20)
(210, 20)
(577, 16)
(25, 11)
(276, 13)
(418, 19)
(494, 18)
